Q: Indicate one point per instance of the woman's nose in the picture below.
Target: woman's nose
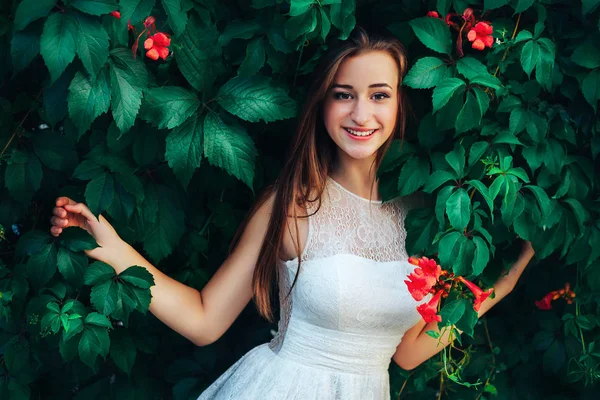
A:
(361, 113)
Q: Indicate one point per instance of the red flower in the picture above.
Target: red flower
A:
(544, 304)
(467, 14)
(129, 26)
(115, 14)
(423, 278)
(429, 310)
(433, 14)
(149, 21)
(157, 46)
(481, 36)
(480, 295)
(430, 267)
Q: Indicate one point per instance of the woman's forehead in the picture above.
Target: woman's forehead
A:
(367, 69)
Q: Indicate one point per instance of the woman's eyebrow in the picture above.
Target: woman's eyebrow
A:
(339, 85)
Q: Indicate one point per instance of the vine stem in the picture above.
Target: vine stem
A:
(404, 384)
(487, 335)
(508, 48)
(18, 127)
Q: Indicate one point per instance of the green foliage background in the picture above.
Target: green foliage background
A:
(505, 142)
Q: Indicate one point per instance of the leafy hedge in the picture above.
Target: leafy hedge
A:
(171, 138)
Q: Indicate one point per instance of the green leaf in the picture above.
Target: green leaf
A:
(137, 276)
(587, 54)
(123, 350)
(24, 47)
(518, 120)
(41, 266)
(433, 334)
(469, 319)
(77, 239)
(169, 106)
(477, 150)
(97, 319)
(482, 255)
(298, 7)
(436, 179)
(542, 199)
(23, 176)
(92, 43)
(177, 16)
(590, 87)
(486, 80)
(229, 147)
(447, 249)
(530, 54)
(536, 126)
(426, 73)
(184, 148)
(483, 190)
(444, 91)
(470, 67)
(71, 265)
(523, 5)
(55, 151)
(31, 242)
(105, 297)
(589, 6)
(301, 25)
(456, 160)
(126, 98)
(51, 321)
(88, 100)
(239, 30)
(166, 232)
(95, 7)
(98, 272)
(493, 4)
(433, 33)
(483, 100)
(581, 215)
(31, 10)
(199, 58)
(255, 98)
(453, 311)
(458, 208)
(99, 193)
(94, 342)
(255, 57)
(469, 116)
(413, 175)
(57, 43)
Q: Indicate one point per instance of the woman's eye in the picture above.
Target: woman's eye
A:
(342, 96)
(380, 96)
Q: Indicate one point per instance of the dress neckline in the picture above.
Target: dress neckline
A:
(336, 183)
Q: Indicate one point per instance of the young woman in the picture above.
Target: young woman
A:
(336, 251)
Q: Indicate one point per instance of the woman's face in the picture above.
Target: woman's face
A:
(361, 107)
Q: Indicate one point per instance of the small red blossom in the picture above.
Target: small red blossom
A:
(419, 284)
(149, 21)
(157, 46)
(480, 295)
(544, 304)
(467, 14)
(566, 293)
(129, 26)
(433, 14)
(115, 14)
(481, 36)
(428, 310)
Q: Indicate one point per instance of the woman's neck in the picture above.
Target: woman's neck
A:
(358, 176)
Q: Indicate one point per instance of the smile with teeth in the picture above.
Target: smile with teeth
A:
(360, 133)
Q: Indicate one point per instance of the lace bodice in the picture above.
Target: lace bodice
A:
(346, 314)
(350, 305)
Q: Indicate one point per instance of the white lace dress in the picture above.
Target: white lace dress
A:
(347, 312)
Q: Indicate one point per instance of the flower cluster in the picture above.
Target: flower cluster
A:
(566, 293)
(428, 277)
(157, 43)
(115, 14)
(479, 33)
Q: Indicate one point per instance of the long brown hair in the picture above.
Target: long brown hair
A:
(310, 158)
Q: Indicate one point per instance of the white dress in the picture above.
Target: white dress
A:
(347, 312)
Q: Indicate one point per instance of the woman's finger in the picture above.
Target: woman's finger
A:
(62, 201)
(80, 208)
(59, 212)
(55, 230)
(61, 222)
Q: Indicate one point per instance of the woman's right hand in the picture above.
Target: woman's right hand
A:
(68, 213)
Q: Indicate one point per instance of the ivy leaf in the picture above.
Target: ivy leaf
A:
(160, 240)
(71, 265)
(487, 80)
(239, 30)
(57, 43)
(92, 43)
(77, 239)
(99, 193)
(469, 116)
(298, 7)
(470, 67)
(123, 350)
(590, 87)
(138, 277)
(126, 97)
(104, 297)
(94, 342)
(413, 175)
(255, 57)
(24, 47)
(542, 198)
(453, 311)
(88, 100)
(518, 120)
(55, 151)
(589, 6)
(426, 73)
(169, 106)
(254, 98)
(199, 59)
(456, 160)
(23, 176)
(229, 147)
(530, 54)
(301, 25)
(177, 16)
(482, 255)
(433, 33)
(445, 90)
(523, 5)
(184, 148)
(458, 208)
(436, 179)
(41, 266)
(483, 190)
(98, 272)
(447, 249)
(31, 10)
(95, 7)
(493, 4)
(32, 242)
(468, 321)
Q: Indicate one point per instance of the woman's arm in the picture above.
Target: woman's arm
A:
(417, 346)
(201, 316)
